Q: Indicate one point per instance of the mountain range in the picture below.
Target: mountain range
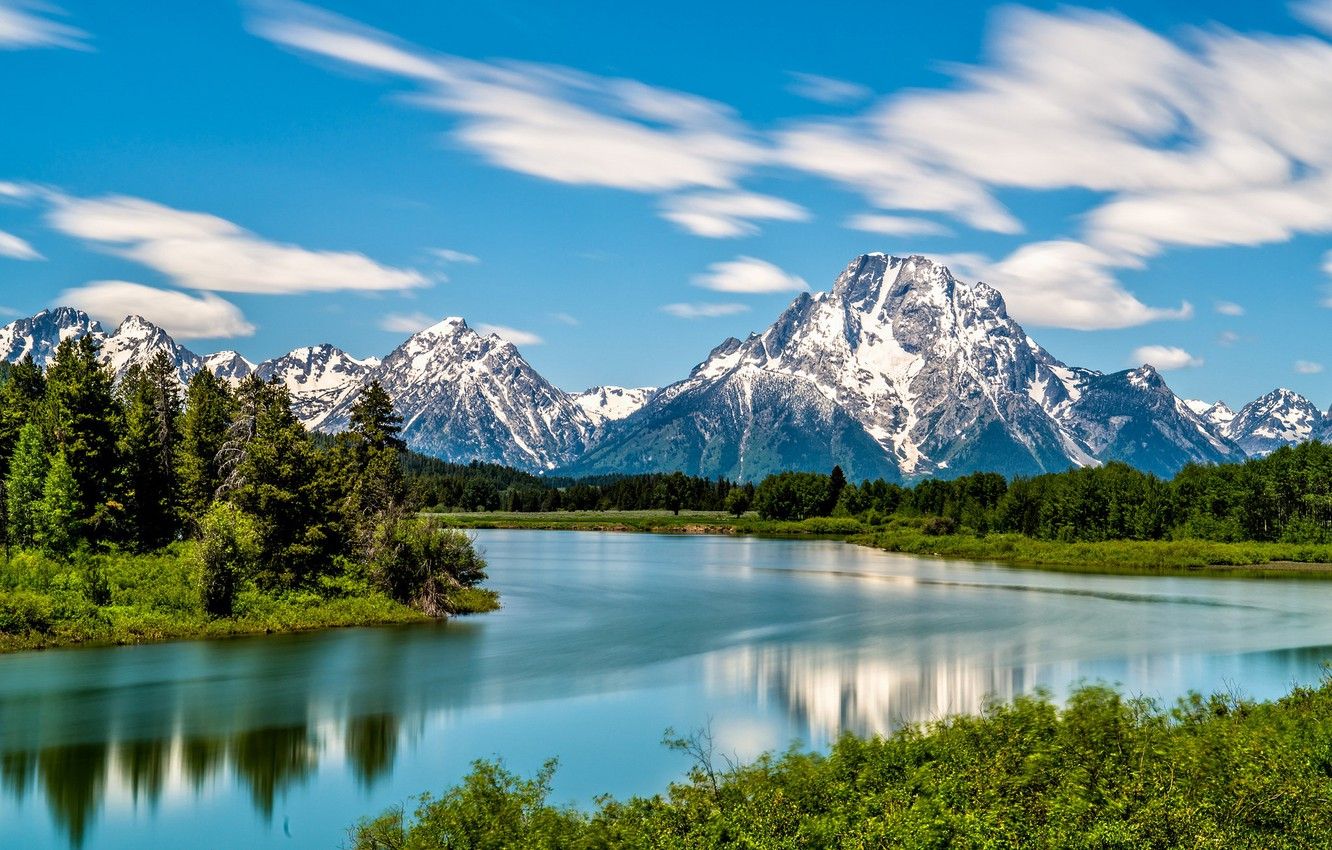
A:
(900, 371)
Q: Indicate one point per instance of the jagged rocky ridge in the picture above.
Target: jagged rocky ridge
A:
(900, 371)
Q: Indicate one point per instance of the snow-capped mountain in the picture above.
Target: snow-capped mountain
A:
(41, 334)
(465, 396)
(901, 370)
(1280, 418)
(136, 341)
(1214, 413)
(318, 378)
(609, 404)
(229, 366)
(1132, 416)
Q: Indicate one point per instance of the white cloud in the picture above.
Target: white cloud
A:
(182, 315)
(508, 334)
(15, 248)
(449, 255)
(896, 225)
(1067, 284)
(748, 275)
(1164, 357)
(1227, 339)
(826, 89)
(703, 311)
(406, 323)
(14, 191)
(1308, 367)
(849, 154)
(24, 24)
(566, 319)
(727, 214)
(1315, 13)
(202, 251)
(547, 121)
(1228, 308)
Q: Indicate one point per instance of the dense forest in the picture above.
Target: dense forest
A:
(98, 473)
(1283, 497)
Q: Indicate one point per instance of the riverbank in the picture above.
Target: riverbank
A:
(910, 537)
(656, 522)
(130, 599)
(1104, 770)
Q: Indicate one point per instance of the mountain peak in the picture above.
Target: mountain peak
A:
(446, 327)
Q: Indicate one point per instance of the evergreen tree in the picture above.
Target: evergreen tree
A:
(374, 420)
(24, 486)
(148, 447)
(83, 418)
(209, 407)
(22, 391)
(277, 480)
(371, 468)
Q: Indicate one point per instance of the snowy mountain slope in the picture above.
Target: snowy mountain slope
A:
(1132, 416)
(318, 378)
(1280, 418)
(229, 365)
(1215, 413)
(899, 371)
(464, 396)
(136, 341)
(933, 370)
(41, 334)
(607, 404)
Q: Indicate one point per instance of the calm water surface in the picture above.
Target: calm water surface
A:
(604, 642)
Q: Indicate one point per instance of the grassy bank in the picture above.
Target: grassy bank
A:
(1104, 771)
(1108, 556)
(657, 522)
(910, 536)
(121, 599)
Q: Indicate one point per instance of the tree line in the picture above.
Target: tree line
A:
(480, 486)
(93, 465)
(1283, 497)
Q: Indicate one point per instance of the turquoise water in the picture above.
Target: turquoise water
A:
(604, 642)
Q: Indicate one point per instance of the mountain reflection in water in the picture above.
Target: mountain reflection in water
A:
(605, 641)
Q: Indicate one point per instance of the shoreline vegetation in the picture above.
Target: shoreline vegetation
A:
(130, 512)
(1100, 770)
(920, 537)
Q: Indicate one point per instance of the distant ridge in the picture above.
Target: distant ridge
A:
(899, 371)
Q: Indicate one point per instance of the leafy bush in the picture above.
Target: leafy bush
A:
(1103, 771)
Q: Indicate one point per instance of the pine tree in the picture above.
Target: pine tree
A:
(83, 417)
(23, 487)
(22, 391)
(148, 446)
(209, 407)
(374, 420)
(275, 478)
(369, 465)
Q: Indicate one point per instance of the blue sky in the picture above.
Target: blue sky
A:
(618, 187)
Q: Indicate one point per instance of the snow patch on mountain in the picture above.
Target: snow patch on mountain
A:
(609, 404)
(229, 365)
(1280, 418)
(318, 378)
(464, 396)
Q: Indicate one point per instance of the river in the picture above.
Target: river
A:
(605, 641)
